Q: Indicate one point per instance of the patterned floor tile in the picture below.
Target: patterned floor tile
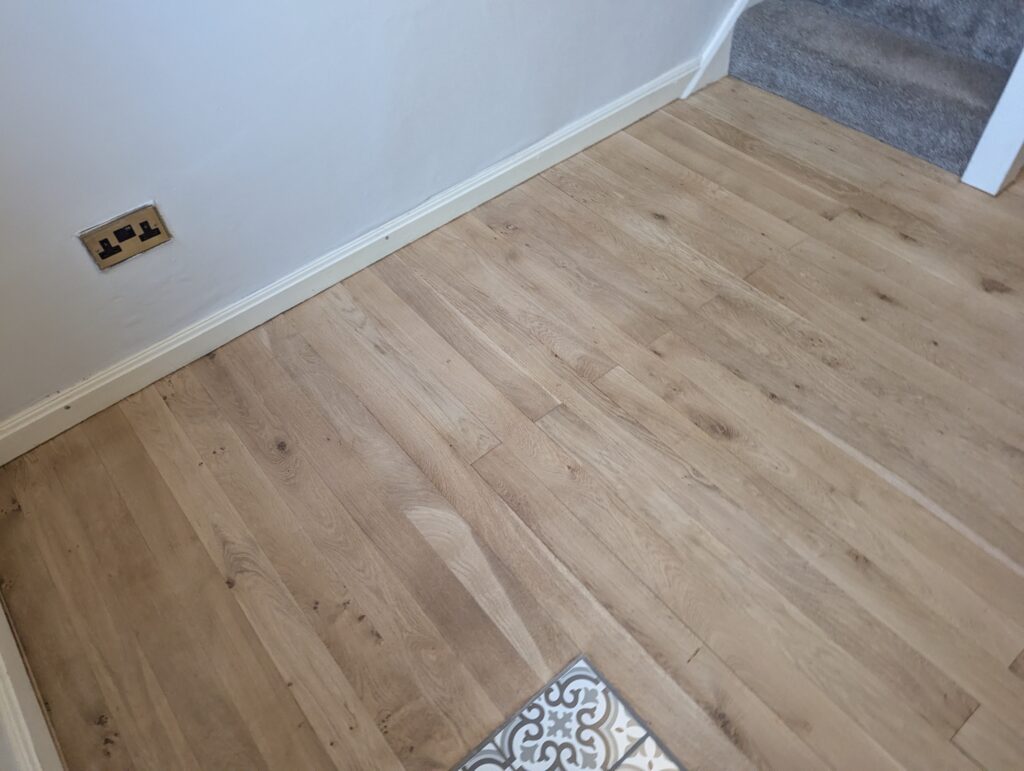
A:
(576, 723)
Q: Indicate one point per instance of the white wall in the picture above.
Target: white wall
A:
(268, 132)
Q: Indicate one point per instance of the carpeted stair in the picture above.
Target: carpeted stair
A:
(921, 75)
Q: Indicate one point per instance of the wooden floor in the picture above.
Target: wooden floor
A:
(731, 402)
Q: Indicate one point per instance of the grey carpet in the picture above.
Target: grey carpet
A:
(929, 93)
(988, 30)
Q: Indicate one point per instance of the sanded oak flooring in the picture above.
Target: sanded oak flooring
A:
(731, 403)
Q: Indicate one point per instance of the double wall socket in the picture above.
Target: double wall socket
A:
(124, 237)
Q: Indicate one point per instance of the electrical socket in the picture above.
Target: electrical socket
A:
(117, 240)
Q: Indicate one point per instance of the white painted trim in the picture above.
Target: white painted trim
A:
(714, 60)
(25, 740)
(59, 412)
(997, 159)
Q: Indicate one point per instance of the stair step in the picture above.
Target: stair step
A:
(906, 92)
(989, 30)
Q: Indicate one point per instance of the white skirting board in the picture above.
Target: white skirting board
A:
(59, 412)
(999, 156)
(714, 59)
(25, 741)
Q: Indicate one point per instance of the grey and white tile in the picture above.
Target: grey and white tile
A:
(576, 723)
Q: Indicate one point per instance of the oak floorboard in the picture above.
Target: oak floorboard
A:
(583, 621)
(222, 635)
(924, 233)
(138, 592)
(920, 198)
(731, 402)
(563, 292)
(86, 716)
(546, 282)
(182, 431)
(991, 742)
(860, 262)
